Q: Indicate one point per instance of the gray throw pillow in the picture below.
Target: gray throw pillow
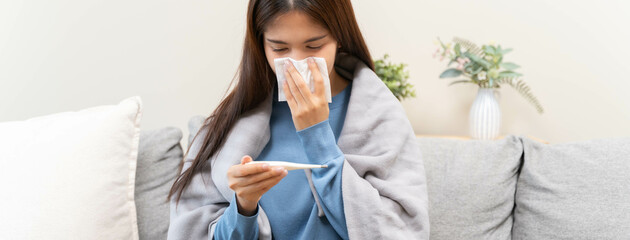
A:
(159, 155)
(471, 186)
(578, 190)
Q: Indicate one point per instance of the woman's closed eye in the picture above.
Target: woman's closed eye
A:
(284, 49)
(318, 47)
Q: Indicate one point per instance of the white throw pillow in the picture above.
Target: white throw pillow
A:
(71, 175)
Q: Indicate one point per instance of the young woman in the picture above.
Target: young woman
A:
(374, 186)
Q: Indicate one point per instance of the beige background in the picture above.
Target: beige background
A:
(179, 56)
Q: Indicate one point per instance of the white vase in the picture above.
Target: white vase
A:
(485, 115)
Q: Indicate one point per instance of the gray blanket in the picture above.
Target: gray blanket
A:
(383, 178)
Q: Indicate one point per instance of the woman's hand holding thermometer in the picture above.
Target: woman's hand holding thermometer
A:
(251, 181)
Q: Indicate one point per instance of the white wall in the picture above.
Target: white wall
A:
(180, 56)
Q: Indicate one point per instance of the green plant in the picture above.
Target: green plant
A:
(395, 77)
(483, 66)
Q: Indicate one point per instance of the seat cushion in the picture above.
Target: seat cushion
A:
(471, 186)
(576, 190)
(159, 156)
(71, 175)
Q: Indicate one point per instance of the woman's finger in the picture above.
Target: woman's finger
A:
(244, 170)
(255, 178)
(294, 90)
(299, 82)
(317, 77)
(290, 97)
(265, 185)
(246, 159)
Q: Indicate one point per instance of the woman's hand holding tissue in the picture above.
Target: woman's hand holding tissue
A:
(251, 181)
(307, 108)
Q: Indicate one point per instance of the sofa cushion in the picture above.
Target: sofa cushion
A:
(71, 175)
(471, 185)
(574, 190)
(159, 156)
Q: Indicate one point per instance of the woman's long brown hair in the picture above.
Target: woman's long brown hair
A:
(256, 79)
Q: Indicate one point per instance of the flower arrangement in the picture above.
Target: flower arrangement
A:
(395, 77)
(483, 66)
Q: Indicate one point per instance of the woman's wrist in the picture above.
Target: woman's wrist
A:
(319, 142)
(246, 208)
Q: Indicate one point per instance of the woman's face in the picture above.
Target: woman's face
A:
(296, 35)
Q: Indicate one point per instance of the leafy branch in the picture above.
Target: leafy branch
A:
(483, 66)
(395, 77)
(524, 90)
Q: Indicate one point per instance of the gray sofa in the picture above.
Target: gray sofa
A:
(513, 188)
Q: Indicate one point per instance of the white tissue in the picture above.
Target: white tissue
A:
(302, 67)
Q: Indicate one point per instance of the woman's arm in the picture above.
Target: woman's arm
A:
(249, 183)
(321, 148)
(233, 225)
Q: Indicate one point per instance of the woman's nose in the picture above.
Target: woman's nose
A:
(299, 55)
